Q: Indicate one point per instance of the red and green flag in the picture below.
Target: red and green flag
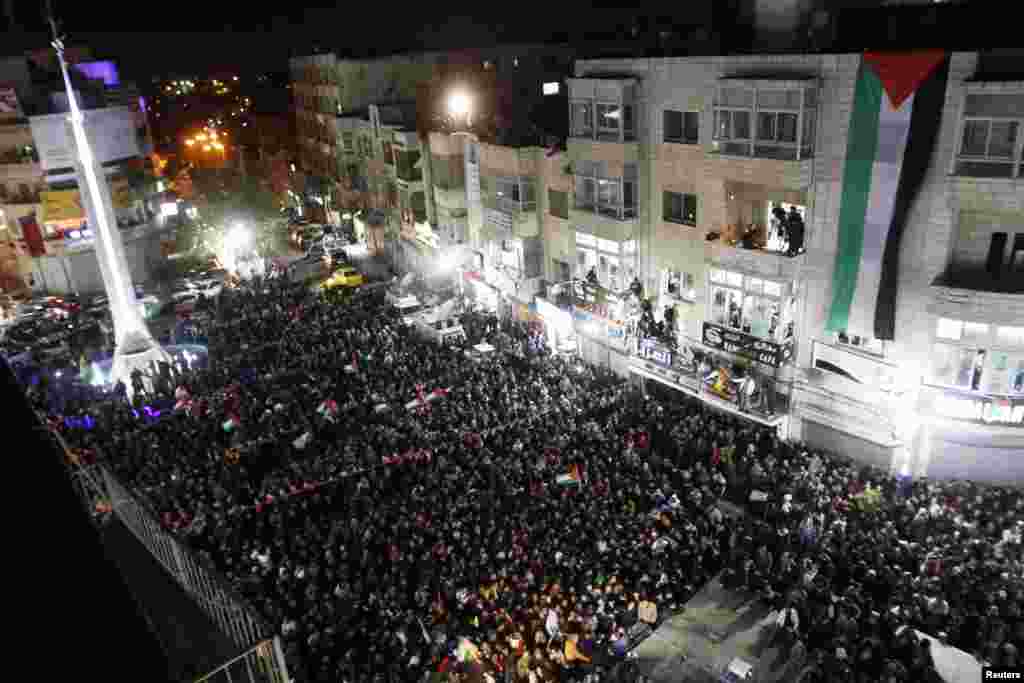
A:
(898, 102)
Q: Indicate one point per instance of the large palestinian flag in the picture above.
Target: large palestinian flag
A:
(897, 106)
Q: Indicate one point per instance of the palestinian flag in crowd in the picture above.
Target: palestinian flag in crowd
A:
(898, 101)
(420, 456)
(425, 400)
(571, 477)
(231, 423)
(328, 409)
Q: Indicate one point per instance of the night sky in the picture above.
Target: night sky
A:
(197, 37)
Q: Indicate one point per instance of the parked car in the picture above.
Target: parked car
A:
(345, 276)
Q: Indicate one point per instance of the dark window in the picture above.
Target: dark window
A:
(680, 208)
(558, 203)
(996, 254)
(683, 127)
(419, 207)
(3, 191)
(673, 126)
(1017, 255)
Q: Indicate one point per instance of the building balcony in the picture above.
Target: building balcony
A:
(730, 165)
(450, 198)
(764, 261)
(959, 302)
(526, 226)
(961, 277)
(514, 207)
(599, 150)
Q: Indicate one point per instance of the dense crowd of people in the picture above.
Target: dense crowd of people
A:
(399, 510)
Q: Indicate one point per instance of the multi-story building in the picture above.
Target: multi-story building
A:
(47, 244)
(370, 117)
(677, 167)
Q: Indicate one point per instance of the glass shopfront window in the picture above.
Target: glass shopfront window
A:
(753, 305)
(978, 357)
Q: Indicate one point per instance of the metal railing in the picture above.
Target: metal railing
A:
(263, 663)
(229, 611)
(263, 660)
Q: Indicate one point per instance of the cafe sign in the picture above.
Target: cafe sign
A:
(746, 345)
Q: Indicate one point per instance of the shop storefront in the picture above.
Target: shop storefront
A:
(855, 402)
(558, 328)
(484, 296)
(973, 402)
(966, 436)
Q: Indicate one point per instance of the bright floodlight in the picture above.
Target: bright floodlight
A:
(237, 237)
(459, 104)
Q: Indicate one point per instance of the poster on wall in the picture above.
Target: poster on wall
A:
(10, 107)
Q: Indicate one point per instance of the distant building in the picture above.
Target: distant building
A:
(41, 219)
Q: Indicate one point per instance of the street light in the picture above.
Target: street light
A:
(460, 105)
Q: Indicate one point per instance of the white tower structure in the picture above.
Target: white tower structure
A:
(135, 347)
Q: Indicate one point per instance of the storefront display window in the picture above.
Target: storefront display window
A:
(979, 357)
(750, 304)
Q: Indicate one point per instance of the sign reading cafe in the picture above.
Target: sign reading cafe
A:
(746, 345)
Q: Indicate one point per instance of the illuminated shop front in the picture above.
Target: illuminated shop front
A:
(559, 327)
(604, 321)
(973, 402)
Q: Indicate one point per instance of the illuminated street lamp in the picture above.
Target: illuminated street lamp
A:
(460, 105)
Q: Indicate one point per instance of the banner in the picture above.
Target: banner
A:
(745, 345)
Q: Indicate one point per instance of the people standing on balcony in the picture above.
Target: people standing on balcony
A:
(795, 231)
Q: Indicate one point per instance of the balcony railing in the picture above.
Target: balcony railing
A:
(613, 210)
(509, 205)
(757, 237)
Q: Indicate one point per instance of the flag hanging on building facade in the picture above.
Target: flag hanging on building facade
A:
(898, 101)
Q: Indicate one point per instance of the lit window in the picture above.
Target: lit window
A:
(949, 329)
(1011, 335)
(975, 332)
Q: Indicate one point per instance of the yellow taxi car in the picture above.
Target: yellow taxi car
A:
(345, 276)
